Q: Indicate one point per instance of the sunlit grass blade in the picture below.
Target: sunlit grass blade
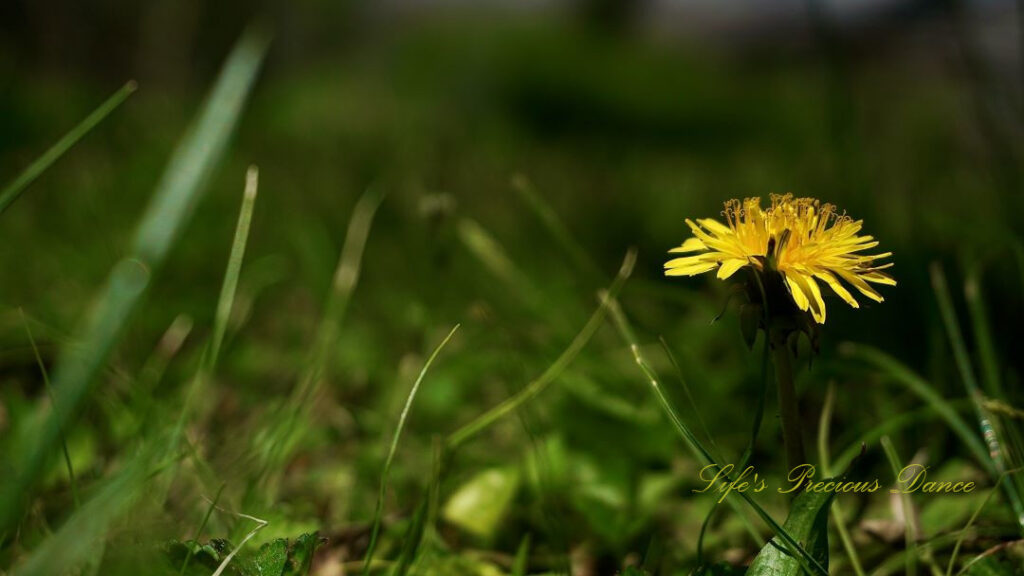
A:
(225, 302)
(522, 558)
(199, 530)
(279, 440)
(889, 426)
(693, 403)
(227, 292)
(260, 525)
(963, 362)
(970, 522)
(193, 161)
(75, 543)
(49, 392)
(838, 517)
(983, 335)
(906, 377)
(556, 227)
(385, 474)
(700, 452)
(909, 526)
(13, 191)
(346, 278)
(538, 385)
(496, 260)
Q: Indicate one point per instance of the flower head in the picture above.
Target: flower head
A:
(802, 239)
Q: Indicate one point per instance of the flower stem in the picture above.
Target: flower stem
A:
(788, 409)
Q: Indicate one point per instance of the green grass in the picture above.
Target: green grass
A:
(232, 383)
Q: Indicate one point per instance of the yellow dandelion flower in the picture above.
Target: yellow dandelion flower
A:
(804, 240)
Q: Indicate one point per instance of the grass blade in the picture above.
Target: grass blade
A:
(394, 448)
(908, 508)
(838, 517)
(199, 531)
(49, 392)
(227, 291)
(556, 227)
(13, 190)
(190, 166)
(346, 276)
(970, 522)
(538, 385)
(983, 336)
(963, 362)
(906, 377)
(694, 444)
(77, 540)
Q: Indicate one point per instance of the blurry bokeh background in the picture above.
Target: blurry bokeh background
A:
(626, 117)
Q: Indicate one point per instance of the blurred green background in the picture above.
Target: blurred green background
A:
(625, 119)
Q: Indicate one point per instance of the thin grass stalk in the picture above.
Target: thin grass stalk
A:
(689, 396)
(789, 413)
(345, 280)
(970, 522)
(75, 543)
(983, 336)
(748, 452)
(908, 508)
(838, 517)
(188, 170)
(378, 513)
(49, 392)
(199, 530)
(343, 285)
(539, 384)
(896, 423)
(555, 226)
(963, 362)
(14, 189)
(905, 377)
(700, 452)
(226, 300)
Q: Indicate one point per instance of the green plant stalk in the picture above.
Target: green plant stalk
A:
(920, 387)
(225, 302)
(179, 189)
(700, 452)
(538, 385)
(970, 522)
(963, 362)
(556, 227)
(754, 433)
(908, 510)
(13, 190)
(49, 392)
(983, 336)
(379, 512)
(199, 531)
(838, 517)
(894, 424)
(789, 411)
(343, 286)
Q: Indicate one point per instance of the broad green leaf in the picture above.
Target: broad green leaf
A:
(270, 559)
(300, 554)
(808, 524)
(480, 504)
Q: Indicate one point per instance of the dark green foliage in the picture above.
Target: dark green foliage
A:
(808, 524)
(279, 557)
